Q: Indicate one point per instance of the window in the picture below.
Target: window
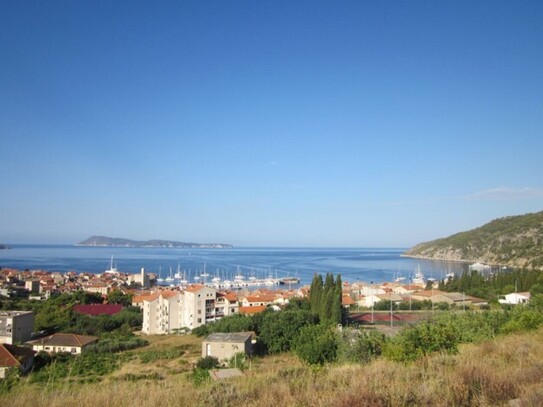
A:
(199, 320)
(208, 349)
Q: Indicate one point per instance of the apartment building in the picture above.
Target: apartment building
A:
(166, 311)
(161, 312)
(16, 326)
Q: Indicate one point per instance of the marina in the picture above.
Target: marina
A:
(231, 268)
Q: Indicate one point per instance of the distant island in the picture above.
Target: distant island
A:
(513, 241)
(3, 246)
(120, 242)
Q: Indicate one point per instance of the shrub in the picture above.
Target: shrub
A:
(316, 345)
(209, 362)
(200, 376)
(238, 360)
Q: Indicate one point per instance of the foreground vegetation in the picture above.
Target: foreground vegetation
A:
(490, 373)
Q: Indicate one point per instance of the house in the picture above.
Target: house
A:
(98, 309)
(223, 346)
(16, 326)
(252, 310)
(60, 342)
(515, 298)
(347, 301)
(258, 300)
(15, 357)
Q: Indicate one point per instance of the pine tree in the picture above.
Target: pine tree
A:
(328, 297)
(336, 311)
(316, 294)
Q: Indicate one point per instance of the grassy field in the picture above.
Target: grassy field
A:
(489, 374)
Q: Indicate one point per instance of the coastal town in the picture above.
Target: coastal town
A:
(183, 308)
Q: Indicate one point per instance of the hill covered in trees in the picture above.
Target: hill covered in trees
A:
(513, 241)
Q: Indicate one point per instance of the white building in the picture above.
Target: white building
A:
(167, 311)
(161, 312)
(515, 298)
(16, 326)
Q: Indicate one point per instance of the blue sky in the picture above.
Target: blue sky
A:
(278, 123)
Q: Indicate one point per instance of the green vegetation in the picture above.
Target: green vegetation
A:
(490, 287)
(325, 298)
(515, 241)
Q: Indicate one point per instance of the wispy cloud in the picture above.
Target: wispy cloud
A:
(493, 194)
(505, 194)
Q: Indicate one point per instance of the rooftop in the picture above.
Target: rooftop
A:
(60, 339)
(234, 337)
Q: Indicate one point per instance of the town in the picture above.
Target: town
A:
(173, 310)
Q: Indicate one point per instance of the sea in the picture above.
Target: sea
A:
(353, 264)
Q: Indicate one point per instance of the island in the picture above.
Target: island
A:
(104, 241)
(512, 241)
(3, 246)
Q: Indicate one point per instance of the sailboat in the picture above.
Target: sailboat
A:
(170, 278)
(112, 269)
(418, 278)
(216, 279)
(205, 274)
(178, 274)
(238, 278)
(183, 280)
(252, 277)
(160, 279)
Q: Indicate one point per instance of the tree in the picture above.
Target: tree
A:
(118, 297)
(315, 293)
(279, 329)
(316, 345)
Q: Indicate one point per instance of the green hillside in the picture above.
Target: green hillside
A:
(514, 241)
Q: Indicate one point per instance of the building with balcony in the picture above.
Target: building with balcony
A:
(16, 326)
(167, 311)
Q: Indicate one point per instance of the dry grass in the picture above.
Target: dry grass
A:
(489, 374)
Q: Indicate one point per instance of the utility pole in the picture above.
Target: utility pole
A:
(371, 296)
(391, 320)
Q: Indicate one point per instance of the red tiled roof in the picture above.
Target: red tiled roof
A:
(346, 300)
(252, 310)
(12, 356)
(61, 339)
(261, 298)
(98, 309)
(194, 288)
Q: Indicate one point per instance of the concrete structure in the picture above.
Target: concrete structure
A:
(16, 326)
(166, 311)
(141, 278)
(59, 342)
(515, 298)
(225, 345)
(162, 312)
(32, 286)
(15, 357)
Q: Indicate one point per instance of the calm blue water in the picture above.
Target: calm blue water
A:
(366, 264)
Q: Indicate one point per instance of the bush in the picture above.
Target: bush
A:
(209, 362)
(200, 376)
(238, 360)
(316, 345)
